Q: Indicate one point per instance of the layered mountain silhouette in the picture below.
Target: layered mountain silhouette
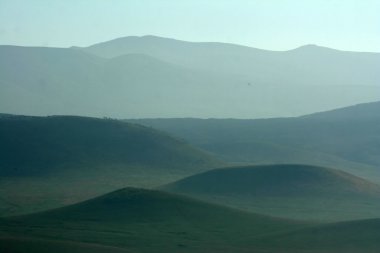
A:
(292, 191)
(306, 65)
(157, 77)
(346, 138)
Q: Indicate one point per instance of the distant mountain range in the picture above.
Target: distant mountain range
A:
(347, 138)
(158, 77)
(306, 65)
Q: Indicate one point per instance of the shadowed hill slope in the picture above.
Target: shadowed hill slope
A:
(151, 221)
(50, 161)
(38, 145)
(145, 221)
(35, 245)
(276, 180)
(293, 191)
(347, 139)
(351, 237)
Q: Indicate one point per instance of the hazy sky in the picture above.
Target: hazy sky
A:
(269, 24)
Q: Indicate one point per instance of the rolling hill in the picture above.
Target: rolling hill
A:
(145, 77)
(347, 138)
(291, 191)
(138, 220)
(149, 221)
(50, 161)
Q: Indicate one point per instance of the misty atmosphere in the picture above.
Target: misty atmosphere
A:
(146, 126)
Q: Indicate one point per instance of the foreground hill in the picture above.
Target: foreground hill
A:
(350, 237)
(348, 138)
(149, 221)
(292, 191)
(70, 158)
(157, 77)
(140, 220)
(35, 245)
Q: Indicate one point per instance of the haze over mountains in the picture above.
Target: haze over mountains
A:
(288, 181)
(347, 138)
(137, 77)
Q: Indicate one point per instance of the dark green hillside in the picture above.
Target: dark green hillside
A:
(347, 139)
(41, 145)
(139, 220)
(293, 191)
(351, 237)
(275, 180)
(33, 245)
(150, 221)
(50, 161)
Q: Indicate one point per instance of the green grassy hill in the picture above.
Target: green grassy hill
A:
(40, 145)
(138, 220)
(149, 221)
(292, 191)
(50, 161)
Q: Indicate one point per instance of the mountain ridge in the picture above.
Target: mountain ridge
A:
(194, 80)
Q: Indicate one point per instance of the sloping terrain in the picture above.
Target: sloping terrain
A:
(350, 142)
(149, 221)
(50, 161)
(39, 145)
(292, 191)
(35, 245)
(366, 111)
(351, 237)
(140, 220)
